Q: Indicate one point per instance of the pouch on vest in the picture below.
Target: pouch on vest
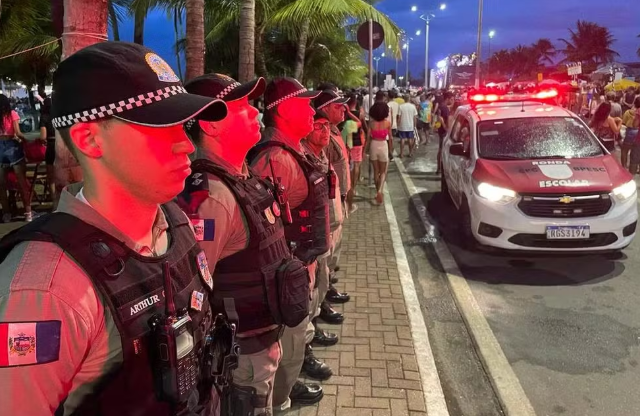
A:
(292, 278)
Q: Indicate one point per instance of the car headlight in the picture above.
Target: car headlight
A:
(626, 191)
(495, 193)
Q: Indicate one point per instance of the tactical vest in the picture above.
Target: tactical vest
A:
(309, 231)
(263, 284)
(131, 286)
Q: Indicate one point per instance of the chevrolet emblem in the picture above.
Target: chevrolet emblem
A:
(566, 199)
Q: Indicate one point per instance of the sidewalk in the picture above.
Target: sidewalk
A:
(374, 364)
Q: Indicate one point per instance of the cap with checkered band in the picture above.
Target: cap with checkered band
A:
(126, 81)
(225, 88)
(280, 90)
(327, 97)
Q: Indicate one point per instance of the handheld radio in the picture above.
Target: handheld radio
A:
(281, 198)
(175, 364)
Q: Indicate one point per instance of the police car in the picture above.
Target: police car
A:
(525, 174)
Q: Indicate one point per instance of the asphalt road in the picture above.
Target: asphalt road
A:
(569, 325)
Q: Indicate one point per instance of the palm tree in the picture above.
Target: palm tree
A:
(195, 38)
(246, 64)
(544, 50)
(589, 43)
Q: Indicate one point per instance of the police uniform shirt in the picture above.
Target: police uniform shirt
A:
(39, 283)
(339, 158)
(288, 170)
(336, 213)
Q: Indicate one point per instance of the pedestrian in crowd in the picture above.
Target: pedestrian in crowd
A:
(424, 120)
(85, 313)
(288, 119)
(627, 99)
(631, 120)
(377, 137)
(444, 110)
(48, 136)
(407, 118)
(12, 158)
(605, 127)
(353, 136)
(246, 248)
(613, 99)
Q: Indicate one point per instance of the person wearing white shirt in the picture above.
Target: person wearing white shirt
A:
(407, 116)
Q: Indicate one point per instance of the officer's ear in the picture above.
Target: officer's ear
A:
(209, 128)
(86, 138)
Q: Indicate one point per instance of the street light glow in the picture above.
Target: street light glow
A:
(414, 8)
(417, 33)
(492, 33)
(443, 6)
(404, 46)
(382, 54)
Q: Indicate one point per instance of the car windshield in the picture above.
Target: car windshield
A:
(536, 138)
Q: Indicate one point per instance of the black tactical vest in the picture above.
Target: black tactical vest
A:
(310, 228)
(265, 284)
(131, 286)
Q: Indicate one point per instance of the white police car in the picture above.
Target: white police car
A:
(527, 175)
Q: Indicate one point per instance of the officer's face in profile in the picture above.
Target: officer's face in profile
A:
(298, 114)
(320, 135)
(148, 163)
(335, 113)
(240, 127)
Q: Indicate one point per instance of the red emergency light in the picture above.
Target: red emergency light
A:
(480, 98)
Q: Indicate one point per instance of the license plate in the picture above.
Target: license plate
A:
(567, 232)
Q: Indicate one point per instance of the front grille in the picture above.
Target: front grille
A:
(565, 205)
(540, 241)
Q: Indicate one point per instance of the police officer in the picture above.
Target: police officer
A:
(237, 221)
(289, 118)
(333, 105)
(107, 313)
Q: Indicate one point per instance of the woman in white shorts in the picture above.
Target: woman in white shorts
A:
(378, 133)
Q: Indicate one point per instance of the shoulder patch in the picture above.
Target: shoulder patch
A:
(204, 229)
(28, 343)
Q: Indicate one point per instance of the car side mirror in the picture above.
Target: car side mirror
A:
(457, 149)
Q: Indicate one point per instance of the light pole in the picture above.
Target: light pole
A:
(479, 44)
(377, 59)
(427, 17)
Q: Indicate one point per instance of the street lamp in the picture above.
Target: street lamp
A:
(492, 33)
(427, 17)
(414, 8)
(406, 46)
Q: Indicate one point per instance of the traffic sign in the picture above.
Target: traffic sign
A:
(363, 35)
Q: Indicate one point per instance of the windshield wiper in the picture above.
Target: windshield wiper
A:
(502, 157)
(550, 157)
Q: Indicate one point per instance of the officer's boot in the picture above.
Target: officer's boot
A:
(314, 368)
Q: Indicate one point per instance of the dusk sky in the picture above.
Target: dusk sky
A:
(454, 30)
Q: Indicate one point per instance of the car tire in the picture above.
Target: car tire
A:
(469, 241)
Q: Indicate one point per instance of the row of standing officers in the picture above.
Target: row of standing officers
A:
(119, 303)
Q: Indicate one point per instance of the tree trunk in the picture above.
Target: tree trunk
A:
(302, 50)
(138, 26)
(113, 20)
(83, 16)
(195, 38)
(246, 60)
(261, 62)
(176, 31)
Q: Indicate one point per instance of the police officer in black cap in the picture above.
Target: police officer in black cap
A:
(104, 304)
(237, 217)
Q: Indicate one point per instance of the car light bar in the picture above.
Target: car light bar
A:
(479, 98)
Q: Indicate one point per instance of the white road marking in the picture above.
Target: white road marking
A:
(506, 385)
(431, 386)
